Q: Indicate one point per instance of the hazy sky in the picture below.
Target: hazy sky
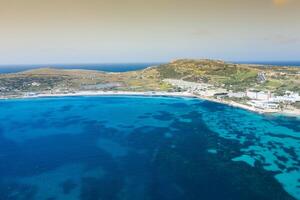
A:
(99, 31)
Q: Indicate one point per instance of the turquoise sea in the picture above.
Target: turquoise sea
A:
(145, 148)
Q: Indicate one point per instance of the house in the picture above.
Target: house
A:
(261, 77)
(221, 95)
(35, 84)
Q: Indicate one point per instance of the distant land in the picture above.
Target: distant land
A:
(123, 67)
(108, 67)
(256, 87)
(272, 63)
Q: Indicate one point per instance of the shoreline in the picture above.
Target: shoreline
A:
(157, 94)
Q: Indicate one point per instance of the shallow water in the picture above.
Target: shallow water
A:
(145, 148)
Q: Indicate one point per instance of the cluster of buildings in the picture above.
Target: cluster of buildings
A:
(267, 100)
(254, 98)
(202, 89)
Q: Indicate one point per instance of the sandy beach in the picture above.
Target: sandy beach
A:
(155, 93)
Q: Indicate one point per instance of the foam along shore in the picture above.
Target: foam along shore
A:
(295, 112)
(101, 93)
(107, 93)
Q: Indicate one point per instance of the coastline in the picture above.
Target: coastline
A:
(155, 93)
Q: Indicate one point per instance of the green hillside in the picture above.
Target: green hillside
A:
(220, 74)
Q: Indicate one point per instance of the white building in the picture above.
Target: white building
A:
(35, 84)
(289, 97)
(259, 95)
(237, 94)
(264, 104)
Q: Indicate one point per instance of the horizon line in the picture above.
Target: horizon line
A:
(146, 62)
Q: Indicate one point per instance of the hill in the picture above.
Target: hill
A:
(220, 74)
(236, 77)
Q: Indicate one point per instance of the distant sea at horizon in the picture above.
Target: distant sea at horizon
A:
(108, 67)
(122, 67)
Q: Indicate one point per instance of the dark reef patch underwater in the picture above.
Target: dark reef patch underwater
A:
(145, 148)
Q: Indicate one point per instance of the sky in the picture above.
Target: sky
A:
(116, 31)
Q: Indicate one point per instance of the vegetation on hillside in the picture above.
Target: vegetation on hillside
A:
(230, 76)
(234, 77)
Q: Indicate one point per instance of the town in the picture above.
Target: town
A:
(261, 100)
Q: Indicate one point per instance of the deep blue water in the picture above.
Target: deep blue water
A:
(148, 148)
(114, 67)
